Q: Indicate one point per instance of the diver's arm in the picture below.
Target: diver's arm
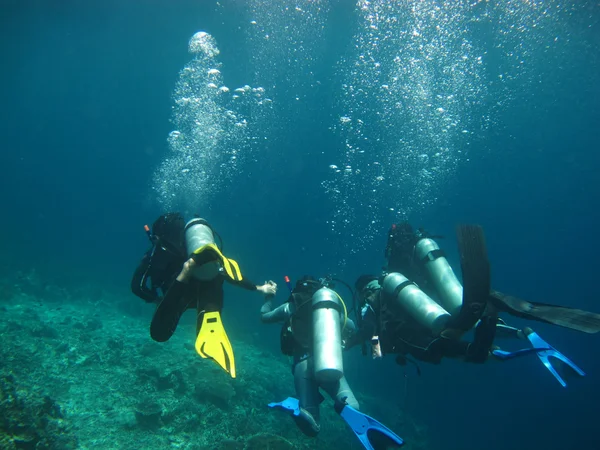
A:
(349, 331)
(177, 289)
(138, 282)
(277, 315)
(361, 335)
(367, 329)
(244, 283)
(269, 288)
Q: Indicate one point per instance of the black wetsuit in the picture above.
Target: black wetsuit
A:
(205, 296)
(155, 273)
(161, 274)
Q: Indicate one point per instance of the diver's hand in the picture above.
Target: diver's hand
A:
(269, 288)
(186, 272)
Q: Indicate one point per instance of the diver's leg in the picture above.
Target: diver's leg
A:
(505, 331)
(209, 299)
(477, 351)
(340, 392)
(308, 394)
(169, 311)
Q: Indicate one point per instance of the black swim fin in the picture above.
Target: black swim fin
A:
(476, 276)
(575, 319)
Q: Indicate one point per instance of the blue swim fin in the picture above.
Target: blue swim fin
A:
(544, 351)
(372, 434)
(290, 404)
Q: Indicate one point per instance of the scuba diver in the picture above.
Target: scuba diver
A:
(314, 322)
(185, 269)
(418, 307)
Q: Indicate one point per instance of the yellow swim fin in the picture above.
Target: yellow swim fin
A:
(212, 342)
(209, 252)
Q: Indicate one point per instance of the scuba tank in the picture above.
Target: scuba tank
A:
(327, 319)
(405, 296)
(440, 274)
(198, 233)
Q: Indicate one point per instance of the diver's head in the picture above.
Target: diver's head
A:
(168, 230)
(405, 235)
(303, 282)
(362, 281)
(367, 287)
(400, 247)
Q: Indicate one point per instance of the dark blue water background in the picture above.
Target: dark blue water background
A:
(85, 101)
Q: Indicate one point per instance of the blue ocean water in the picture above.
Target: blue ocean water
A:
(473, 112)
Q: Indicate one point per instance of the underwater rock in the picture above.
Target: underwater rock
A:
(218, 393)
(230, 444)
(267, 440)
(148, 415)
(150, 349)
(115, 344)
(173, 380)
(66, 321)
(93, 325)
(28, 422)
(12, 326)
(44, 331)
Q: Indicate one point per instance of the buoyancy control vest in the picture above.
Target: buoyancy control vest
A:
(164, 260)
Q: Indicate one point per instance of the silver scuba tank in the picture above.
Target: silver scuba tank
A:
(405, 296)
(327, 335)
(198, 234)
(440, 274)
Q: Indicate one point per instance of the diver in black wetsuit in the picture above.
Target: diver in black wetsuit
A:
(418, 307)
(186, 292)
(163, 261)
(185, 269)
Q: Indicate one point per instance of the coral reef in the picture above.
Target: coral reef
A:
(30, 420)
(79, 370)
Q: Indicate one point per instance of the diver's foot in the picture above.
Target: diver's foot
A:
(307, 423)
(522, 334)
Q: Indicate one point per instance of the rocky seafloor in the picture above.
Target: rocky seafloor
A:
(79, 371)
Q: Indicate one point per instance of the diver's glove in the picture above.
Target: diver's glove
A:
(544, 351)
